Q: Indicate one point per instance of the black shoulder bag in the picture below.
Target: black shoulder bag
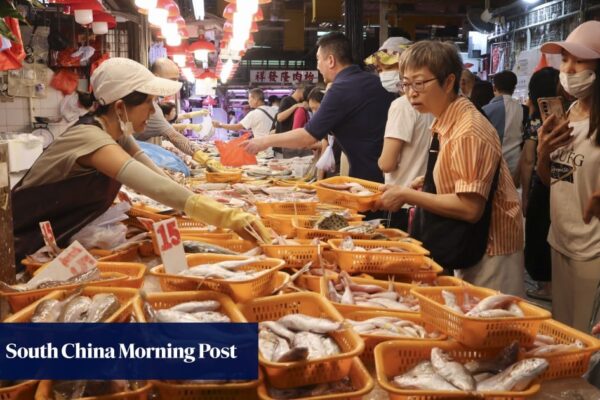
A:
(453, 243)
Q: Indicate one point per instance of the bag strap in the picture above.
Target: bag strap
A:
(267, 114)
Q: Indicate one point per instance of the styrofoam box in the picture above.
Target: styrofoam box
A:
(23, 150)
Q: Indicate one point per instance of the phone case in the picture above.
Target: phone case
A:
(551, 105)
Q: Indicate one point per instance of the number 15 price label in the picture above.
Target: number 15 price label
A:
(170, 245)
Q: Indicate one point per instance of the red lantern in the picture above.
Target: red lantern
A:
(230, 10)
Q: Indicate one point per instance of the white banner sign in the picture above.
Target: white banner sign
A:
(283, 77)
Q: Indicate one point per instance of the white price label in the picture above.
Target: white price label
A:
(72, 261)
(170, 245)
(48, 235)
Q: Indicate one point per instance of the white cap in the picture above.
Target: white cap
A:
(117, 77)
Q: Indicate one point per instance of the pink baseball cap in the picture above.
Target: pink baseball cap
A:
(582, 42)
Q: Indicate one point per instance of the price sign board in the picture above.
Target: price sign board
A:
(48, 235)
(72, 261)
(170, 245)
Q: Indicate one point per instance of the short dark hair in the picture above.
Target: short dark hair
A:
(316, 94)
(258, 94)
(543, 83)
(132, 99)
(505, 82)
(306, 91)
(482, 93)
(338, 45)
(441, 58)
(273, 99)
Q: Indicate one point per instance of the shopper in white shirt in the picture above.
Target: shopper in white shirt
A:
(506, 114)
(259, 120)
(569, 162)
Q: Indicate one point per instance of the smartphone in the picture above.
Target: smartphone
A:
(551, 105)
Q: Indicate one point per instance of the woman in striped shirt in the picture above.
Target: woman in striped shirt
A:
(468, 160)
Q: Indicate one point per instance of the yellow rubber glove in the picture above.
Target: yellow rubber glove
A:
(212, 212)
(207, 161)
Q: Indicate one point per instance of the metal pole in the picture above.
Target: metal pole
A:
(383, 23)
(7, 250)
(353, 16)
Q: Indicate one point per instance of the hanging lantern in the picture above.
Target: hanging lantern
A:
(100, 28)
(144, 6)
(110, 20)
(173, 40)
(230, 9)
(201, 48)
(84, 10)
(164, 9)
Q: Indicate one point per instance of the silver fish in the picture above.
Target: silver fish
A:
(516, 310)
(556, 348)
(503, 360)
(450, 300)
(75, 310)
(495, 313)
(194, 246)
(331, 346)
(271, 346)
(347, 297)
(197, 306)
(313, 342)
(278, 329)
(103, 306)
(211, 316)
(47, 311)
(492, 302)
(454, 372)
(515, 378)
(302, 322)
(174, 316)
(423, 377)
(295, 354)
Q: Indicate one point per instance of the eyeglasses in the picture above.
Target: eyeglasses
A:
(417, 86)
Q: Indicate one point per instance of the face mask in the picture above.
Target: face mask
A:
(579, 84)
(127, 126)
(389, 80)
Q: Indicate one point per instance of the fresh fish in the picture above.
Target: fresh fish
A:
(495, 313)
(295, 354)
(385, 295)
(313, 342)
(482, 376)
(174, 316)
(75, 310)
(515, 378)
(6, 288)
(347, 244)
(516, 310)
(450, 300)
(47, 311)
(102, 307)
(302, 322)
(210, 316)
(232, 264)
(194, 246)
(452, 371)
(197, 306)
(347, 297)
(331, 346)
(333, 294)
(267, 343)
(423, 377)
(391, 304)
(556, 348)
(503, 360)
(278, 329)
(208, 271)
(492, 302)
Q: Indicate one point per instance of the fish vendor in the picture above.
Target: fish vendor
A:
(77, 178)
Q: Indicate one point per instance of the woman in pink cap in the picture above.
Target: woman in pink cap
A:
(569, 162)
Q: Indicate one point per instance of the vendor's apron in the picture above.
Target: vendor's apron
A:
(69, 205)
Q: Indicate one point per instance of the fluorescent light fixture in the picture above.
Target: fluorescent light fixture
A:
(146, 4)
(157, 16)
(531, 1)
(198, 9)
(226, 71)
(84, 17)
(100, 28)
(173, 40)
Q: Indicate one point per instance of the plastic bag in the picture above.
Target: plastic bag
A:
(327, 160)
(232, 155)
(164, 158)
(66, 81)
(106, 231)
(12, 58)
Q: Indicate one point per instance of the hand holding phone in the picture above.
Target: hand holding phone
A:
(552, 106)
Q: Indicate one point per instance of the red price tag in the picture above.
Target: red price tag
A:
(74, 260)
(170, 246)
(48, 235)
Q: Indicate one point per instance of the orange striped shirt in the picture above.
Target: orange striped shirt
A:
(467, 161)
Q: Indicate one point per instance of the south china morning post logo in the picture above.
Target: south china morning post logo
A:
(129, 351)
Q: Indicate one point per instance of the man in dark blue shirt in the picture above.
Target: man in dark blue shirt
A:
(354, 110)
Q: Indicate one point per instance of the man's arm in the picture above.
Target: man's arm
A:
(294, 139)
(229, 127)
(180, 141)
(283, 115)
(388, 161)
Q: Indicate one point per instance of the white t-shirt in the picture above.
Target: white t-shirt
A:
(513, 133)
(569, 194)
(258, 121)
(412, 127)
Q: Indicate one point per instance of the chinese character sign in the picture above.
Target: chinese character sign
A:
(283, 77)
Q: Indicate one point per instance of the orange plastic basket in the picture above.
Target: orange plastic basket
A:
(292, 374)
(161, 301)
(367, 357)
(413, 262)
(126, 297)
(295, 256)
(227, 240)
(287, 207)
(22, 391)
(224, 177)
(135, 273)
(20, 300)
(286, 224)
(44, 392)
(304, 229)
(478, 332)
(359, 377)
(402, 289)
(396, 357)
(433, 280)
(213, 391)
(347, 199)
(572, 363)
(243, 291)
(144, 211)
